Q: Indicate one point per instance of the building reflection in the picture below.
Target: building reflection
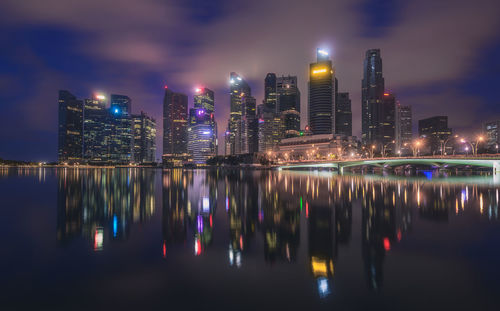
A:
(265, 211)
(189, 205)
(99, 202)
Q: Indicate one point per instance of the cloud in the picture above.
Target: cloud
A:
(137, 45)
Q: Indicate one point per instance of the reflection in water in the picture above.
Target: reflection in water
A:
(93, 203)
(267, 209)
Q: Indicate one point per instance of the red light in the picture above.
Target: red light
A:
(399, 235)
(241, 242)
(211, 222)
(198, 247)
(166, 87)
(387, 244)
(164, 250)
(307, 210)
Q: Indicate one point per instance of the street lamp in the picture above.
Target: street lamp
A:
(443, 144)
(473, 145)
(371, 150)
(384, 147)
(415, 147)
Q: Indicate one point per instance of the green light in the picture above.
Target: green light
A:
(301, 133)
(301, 204)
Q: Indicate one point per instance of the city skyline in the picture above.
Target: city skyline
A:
(421, 71)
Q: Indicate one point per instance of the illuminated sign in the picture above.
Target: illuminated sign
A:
(198, 90)
(206, 133)
(100, 97)
(386, 94)
(322, 70)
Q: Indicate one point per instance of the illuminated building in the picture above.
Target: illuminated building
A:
(174, 128)
(404, 129)
(288, 106)
(434, 130)
(249, 125)
(144, 132)
(322, 95)
(121, 132)
(382, 130)
(268, 120)
(491, 131)
(202, 131)
(372, 91)
(343, 115)
(239, 90)
(70, 131)
(97, 130)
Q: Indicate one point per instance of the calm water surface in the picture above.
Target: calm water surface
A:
(140, 239)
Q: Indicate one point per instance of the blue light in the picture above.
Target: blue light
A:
(116, 110)
(323, 287)
(115, 226)
(428, 174)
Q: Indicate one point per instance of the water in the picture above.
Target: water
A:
(140, 239)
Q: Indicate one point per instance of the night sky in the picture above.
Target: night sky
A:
(441, 57)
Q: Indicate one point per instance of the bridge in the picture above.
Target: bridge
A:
(436, 162)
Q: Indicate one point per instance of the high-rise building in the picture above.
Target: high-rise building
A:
(343, 114)
(385, 124)
(144, 131)
(288, 106)
(97, 130)
(372, 92)
(174, 127)
(70, 128)
(239, 90)
(268, 120)
(249, 125)
(121, 135)
(435, 131)
(491, 130)
(322, 94)
(404, 131)
(202, 131)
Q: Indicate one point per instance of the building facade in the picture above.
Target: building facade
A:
(435, 132)
(70, 129)
(343, 124)
(202, 131)
(239, 90)
(404, 129)
(175, 128)
(322, 94)
(268, 119)
(249, 126)
(121, 132)
(144, 134)
(490, 130)
(319, 147)
(372, 92)
(97, 130)
(288, 106)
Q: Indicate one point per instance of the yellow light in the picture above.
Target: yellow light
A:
(101, 97)
(319, 267)
(319, 71)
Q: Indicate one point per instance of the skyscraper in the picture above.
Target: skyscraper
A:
(249, 125)
(372, 92)
(97, 130)
(288, 106)
(322, 94)
(268, 120)
(404, 132)
(144, 131)
(174, 127)
(121, 135)
(202, 131)
(70, 128)
(239, 89)
(384, 129)
(435, 130)
(343, 114)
